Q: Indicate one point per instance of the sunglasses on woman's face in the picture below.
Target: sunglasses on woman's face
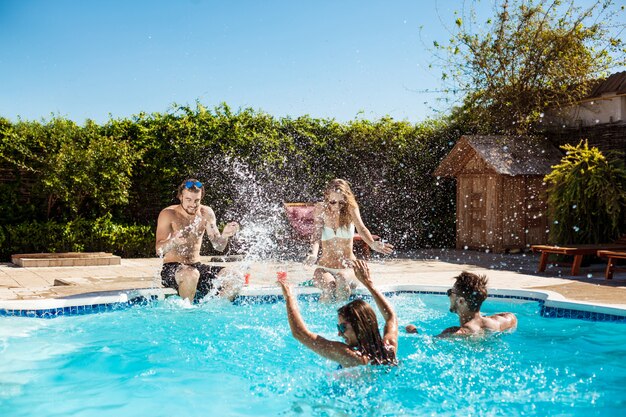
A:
(333, 202)
(190, 184)
(341, 328)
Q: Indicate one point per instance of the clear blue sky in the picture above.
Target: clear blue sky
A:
(339, 59)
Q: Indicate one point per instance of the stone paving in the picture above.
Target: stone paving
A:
(425, 267)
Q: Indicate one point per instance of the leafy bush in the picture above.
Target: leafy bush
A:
(130, 168)
(69, 170)
(76, 236)
(586, 196)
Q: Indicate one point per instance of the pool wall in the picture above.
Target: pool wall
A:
(553, 305)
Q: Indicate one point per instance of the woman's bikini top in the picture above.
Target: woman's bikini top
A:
(343, 232)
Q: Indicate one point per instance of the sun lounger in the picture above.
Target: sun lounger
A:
(300, 217)
(610, 266)
(577, 251)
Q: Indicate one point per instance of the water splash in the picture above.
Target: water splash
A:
(265, 234)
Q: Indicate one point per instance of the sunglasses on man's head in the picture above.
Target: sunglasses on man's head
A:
(190, 184)
(341, 328)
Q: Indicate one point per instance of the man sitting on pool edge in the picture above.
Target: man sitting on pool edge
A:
(466, 296)
(178, 239)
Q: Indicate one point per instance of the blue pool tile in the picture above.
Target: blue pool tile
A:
(543, 310)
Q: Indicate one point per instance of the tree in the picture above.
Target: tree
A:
(533, 55)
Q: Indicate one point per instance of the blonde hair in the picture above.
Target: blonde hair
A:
(345, 211)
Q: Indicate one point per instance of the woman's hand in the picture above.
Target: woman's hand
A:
(285, 285)
(382, 247)
(362, 272)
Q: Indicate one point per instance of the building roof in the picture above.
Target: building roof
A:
(615, 83)
(506, 155)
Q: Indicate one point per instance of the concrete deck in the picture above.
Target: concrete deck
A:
(427, 267)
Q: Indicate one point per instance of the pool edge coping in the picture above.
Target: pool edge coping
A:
(548, 299)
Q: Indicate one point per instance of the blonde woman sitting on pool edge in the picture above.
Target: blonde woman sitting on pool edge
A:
(335, 221)
(356, 323)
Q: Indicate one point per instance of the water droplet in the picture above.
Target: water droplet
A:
(589, 275)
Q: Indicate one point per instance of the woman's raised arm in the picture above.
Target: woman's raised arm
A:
(335, 351)
(362, 273)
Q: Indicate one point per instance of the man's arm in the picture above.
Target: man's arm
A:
(219, 240)
(164, 239)
(455, 331)
(505, 321)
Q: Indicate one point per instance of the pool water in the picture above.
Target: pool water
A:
(165, 359)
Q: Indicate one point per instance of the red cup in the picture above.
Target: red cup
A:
(246, 279)
(281, 275)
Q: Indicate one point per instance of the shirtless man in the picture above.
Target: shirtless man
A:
(466, 296)
(178, 239)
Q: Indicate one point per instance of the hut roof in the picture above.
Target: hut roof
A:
(506, 155)
(615, 83)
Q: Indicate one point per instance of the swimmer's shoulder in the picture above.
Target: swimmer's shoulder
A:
(503, 321)
(457, 331)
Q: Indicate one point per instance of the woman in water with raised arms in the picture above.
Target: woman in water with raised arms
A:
(356, 323)
(335, 220)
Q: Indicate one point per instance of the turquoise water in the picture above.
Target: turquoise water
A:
(240, 360)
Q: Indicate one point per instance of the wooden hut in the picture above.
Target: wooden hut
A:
(500, 198)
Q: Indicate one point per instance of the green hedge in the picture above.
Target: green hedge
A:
(77, 236)
(250, 161)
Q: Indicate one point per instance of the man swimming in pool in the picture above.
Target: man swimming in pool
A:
(178, 239)
(466, 296)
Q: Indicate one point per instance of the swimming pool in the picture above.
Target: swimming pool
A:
(163, 359)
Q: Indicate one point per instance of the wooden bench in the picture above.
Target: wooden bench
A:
(610, 266)
(577, 251)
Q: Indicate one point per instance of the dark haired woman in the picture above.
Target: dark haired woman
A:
(356, 323)
(335, 221)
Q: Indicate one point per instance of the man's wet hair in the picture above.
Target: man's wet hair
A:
(472, 287)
